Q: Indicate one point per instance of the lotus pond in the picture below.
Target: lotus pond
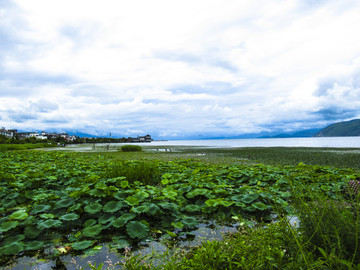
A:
(55, 204)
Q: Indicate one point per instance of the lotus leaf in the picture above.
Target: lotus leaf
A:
(137, 229)
(82, 245)
(131, 200)
(177, 225)
(8, 203)
(8, 225)
(119, 243)
(50, 223)
(64, 203)
(47, 216)
(13, 239)
(249, 198)
(189, 222)
(92, 231)
(32, 232)
(216, 202)
(153, 209)
(93, 208)
(169, 206)
(141, 195)
(106, 219)
(12, 195)
(97, 193)
(34, 245)
(113, 206)
(20, 214)
(140, 209)
(40, 208)
(192, 208)
(75, 207)
(12, 249)
(260, 206)
(121, 221)
(124, 184)
(169, 193)
(70, 216)
(90, 222)
(197, 192)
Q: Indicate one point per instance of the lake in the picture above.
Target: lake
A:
(341, 142)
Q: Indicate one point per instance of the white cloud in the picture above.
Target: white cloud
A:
(179, 67)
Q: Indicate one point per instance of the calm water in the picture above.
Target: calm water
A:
(346, 142)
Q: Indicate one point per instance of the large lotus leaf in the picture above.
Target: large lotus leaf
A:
(12, 249)
(12, 195)
(92, 231)
(50, 223)
(260, 206)
(169, 193)
(82, 245)
(137, 229)
(20, 214)
(34, 245)
(192, 208)
(64, 203)
(89, 222)
(97, 193)
(153, 209)
(40, 208)
(13, 239)
(8, 225)
(169, 206)
(75, 207)
(69, 217)
(197, 192)
(106, 218)
(32, 232)
(8, 203)
(249, 198)
(131, 200)
(121, 221)
(113, 206)
(140, 209)
(93, 208)
(218, 201)
(189, 222)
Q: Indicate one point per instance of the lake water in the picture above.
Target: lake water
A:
(346, 142)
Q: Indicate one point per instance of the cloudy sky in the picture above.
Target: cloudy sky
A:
(178, 69)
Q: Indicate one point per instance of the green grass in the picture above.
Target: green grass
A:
(25, 146)
(131, 148)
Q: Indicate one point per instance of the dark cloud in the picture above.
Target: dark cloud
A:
(336, 113)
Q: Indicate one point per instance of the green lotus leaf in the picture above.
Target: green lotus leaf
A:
(75, 207)
(113, 206)
(47, 216)
(8, 225)
(124, 184)
(192, 208)
(189, 222)
(40, 208)
(93, 208)
(140, 209)
(92, 231)
(64, 203)
(119, 244)
(131, 200)
(50, 223)
(260, 206)
(12, 195)
(169, 206)
(8, 203)
(20, 214)
(137, 229)
(177, 225)
(121, 221)
(218, 201)
(13, 239)
(197, 192)
(32, 232)
(82, 245)
(169, 193)
(12, 249)
(141, 195)
(249, 198)
(97, 193)
(153, 209)
(70, 216)
(34, 245)
(106, 218)
(90, 222)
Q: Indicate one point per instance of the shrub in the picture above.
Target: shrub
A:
(131, 148)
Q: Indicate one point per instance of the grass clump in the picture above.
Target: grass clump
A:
(131, 148)
(146, 172)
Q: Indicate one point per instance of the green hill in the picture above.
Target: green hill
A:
(348, 128)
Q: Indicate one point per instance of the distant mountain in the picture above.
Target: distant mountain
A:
(296, 134)
(347, 128)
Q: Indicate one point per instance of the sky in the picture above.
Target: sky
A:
(178, 69)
